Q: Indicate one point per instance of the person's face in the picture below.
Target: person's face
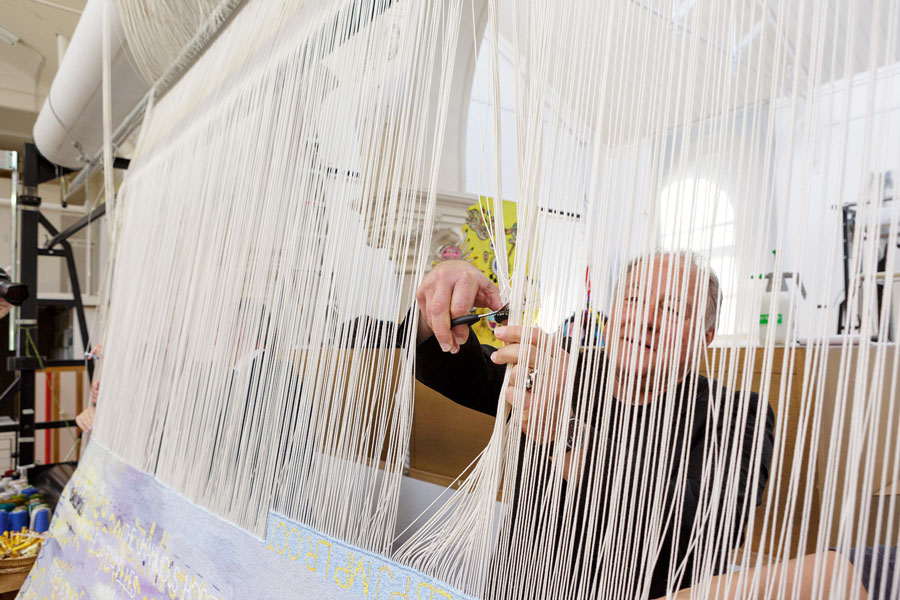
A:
(656, 320)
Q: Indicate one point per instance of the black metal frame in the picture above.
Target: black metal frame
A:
(848, 230)
(36, 170)
(86, 220)
(848, 226)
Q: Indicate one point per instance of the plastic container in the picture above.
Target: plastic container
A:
(775, 317)
(775, 307)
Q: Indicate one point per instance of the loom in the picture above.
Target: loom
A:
(295, 167)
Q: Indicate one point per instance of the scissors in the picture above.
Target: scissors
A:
(497, 315)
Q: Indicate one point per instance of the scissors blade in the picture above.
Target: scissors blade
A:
(470, 319)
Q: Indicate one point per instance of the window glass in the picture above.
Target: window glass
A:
(696, 214)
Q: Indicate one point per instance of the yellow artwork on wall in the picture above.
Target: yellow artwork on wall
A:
(478, 249)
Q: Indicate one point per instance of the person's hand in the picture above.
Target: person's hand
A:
(97, 352)
(452, 289)
(545, 404)
(85, 419)
(5, 307)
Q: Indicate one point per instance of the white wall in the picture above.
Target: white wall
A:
(797, 212)
(846, 148)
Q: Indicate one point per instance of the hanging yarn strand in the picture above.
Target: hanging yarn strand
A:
(701, 280)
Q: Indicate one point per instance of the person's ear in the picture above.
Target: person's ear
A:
(710, 334)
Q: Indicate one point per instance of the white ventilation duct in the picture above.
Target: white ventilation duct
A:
(69, 126)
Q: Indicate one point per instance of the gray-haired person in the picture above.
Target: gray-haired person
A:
(662, 321)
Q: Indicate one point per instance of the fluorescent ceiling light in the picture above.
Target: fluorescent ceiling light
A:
(9, 37)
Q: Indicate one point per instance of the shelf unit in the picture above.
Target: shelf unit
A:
(28, 220)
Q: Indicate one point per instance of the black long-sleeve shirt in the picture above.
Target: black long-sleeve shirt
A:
(470, 378)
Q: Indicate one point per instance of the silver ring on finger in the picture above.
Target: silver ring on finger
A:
(529, 379)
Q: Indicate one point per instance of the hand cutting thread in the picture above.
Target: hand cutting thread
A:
(498, 316)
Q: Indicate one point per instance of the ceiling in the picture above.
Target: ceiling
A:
(629, 68)
(27, 68)
(644, 58)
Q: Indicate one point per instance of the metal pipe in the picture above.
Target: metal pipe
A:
(8, 427)
(14, 241)
(77, 226)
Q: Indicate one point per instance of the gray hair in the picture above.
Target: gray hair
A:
(698, 262)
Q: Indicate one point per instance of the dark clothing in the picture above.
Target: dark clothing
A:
(470, 378)
(875, 566)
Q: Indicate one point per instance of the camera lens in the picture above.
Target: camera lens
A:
(14, 293)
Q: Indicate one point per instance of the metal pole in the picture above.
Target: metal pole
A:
(844, 308)
(26, 322)
(76, 227)
(11, 162)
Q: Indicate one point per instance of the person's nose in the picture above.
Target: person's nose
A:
(632, 318)
(651, 325)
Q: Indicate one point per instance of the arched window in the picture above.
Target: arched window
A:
(697, 214)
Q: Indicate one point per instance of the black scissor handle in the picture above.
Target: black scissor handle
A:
(466, 320)
(498, 316)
